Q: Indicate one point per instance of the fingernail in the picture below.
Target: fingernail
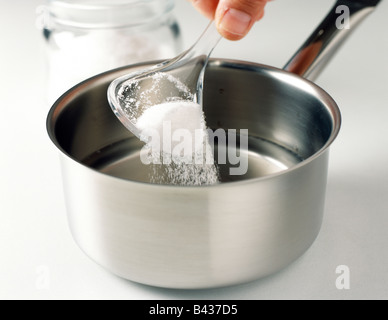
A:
(236, 22)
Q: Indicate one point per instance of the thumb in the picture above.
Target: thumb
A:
(234, 18)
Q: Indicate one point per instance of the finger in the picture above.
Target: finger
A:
(234, 18)
(206, 7)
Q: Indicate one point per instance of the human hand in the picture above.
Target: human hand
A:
(234, 18)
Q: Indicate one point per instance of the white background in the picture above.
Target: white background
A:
(33, 226)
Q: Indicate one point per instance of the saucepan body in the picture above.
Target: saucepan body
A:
(245, 227)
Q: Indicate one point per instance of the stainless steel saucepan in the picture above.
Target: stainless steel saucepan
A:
(242, 229)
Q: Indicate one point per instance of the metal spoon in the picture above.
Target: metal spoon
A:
(180, 78)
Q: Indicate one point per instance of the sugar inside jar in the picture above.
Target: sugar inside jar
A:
(88, 37)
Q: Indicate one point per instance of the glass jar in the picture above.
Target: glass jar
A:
(87, 37)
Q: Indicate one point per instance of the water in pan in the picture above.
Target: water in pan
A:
(122, 160)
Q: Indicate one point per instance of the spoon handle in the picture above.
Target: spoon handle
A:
(206, 43)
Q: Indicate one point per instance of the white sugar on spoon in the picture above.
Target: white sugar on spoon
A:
(171, 93)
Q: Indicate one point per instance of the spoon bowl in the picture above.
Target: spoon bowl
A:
(178, 79)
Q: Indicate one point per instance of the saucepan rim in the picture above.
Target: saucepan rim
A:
(327, 100)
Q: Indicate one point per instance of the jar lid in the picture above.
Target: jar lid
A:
(107, 13)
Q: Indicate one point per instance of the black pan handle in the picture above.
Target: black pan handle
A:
(324, 42)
